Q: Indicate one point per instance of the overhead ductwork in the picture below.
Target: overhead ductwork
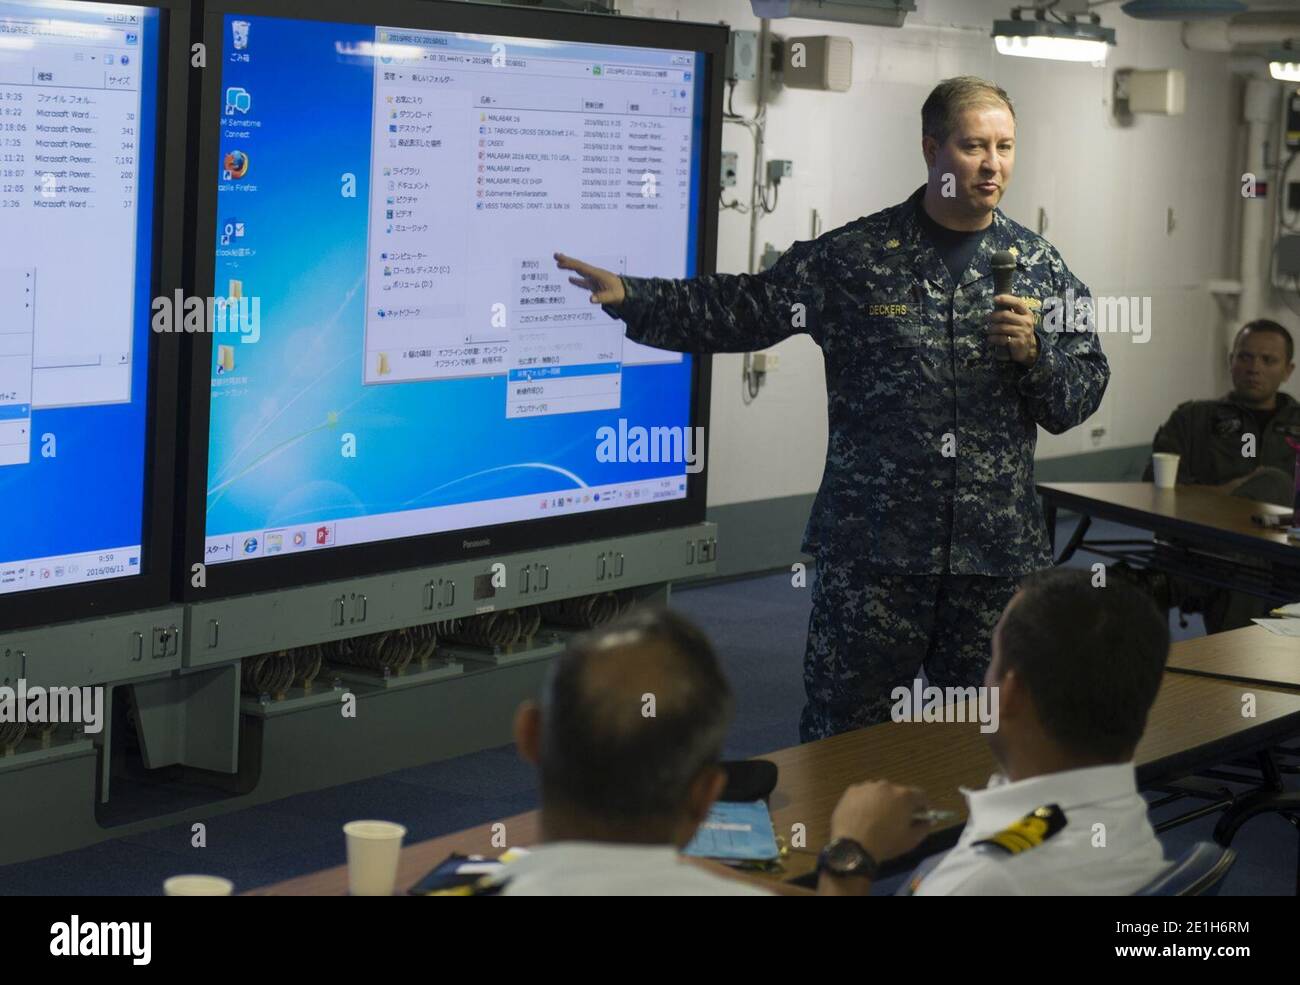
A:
(1181, 10)
(1232, 35)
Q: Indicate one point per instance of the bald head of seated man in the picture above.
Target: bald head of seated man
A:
(627, 740)
(1077, 668)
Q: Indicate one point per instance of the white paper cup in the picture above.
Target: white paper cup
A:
(198, 886)
(373, 850)
(1165, 466)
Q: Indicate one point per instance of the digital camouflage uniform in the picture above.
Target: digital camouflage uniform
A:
(927, 516)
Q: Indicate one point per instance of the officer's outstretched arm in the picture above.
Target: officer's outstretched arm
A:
(1065, 385)
(728, 312)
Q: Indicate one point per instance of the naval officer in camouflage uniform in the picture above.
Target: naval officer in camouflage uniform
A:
(926, 517)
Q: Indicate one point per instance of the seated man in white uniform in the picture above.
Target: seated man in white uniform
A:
(627, 740)
(1077, 669)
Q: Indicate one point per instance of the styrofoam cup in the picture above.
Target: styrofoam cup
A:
(198, 886)
(1165, 466)
(373, 851)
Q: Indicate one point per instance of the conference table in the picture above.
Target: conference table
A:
(1197, 533)
(1251, 657)
(1197, 721)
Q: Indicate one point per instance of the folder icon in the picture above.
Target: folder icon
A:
(383, 364)
(236, 290)
(225, 359)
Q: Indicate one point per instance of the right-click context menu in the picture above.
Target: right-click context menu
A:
(489, 157)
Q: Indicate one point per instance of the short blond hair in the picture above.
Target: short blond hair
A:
(951, 97)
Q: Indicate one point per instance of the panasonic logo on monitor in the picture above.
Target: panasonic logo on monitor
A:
(476, 543)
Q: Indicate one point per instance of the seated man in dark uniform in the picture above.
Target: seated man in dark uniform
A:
(1238, 445)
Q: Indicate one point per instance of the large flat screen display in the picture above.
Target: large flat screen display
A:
(394, 360)
(82, 99)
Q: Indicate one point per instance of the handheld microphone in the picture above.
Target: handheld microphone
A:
(1004, 269)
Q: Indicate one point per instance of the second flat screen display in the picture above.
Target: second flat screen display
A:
(394, 352)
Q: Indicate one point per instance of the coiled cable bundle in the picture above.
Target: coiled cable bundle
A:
(584, 611)
(393, 652)
(424, 639)
(530, 621)
(446, 627)
(492, 629)
(268, 673)
(41, 730)
(306, 665)
(11, 733)
(383, 652)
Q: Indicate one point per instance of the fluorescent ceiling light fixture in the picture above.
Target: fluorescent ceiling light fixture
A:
(884, 13)
(1069, 41)
(1284, 64)
(1285, 70)
(1057, 49)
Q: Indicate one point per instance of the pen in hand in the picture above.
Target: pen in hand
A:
(933, 816)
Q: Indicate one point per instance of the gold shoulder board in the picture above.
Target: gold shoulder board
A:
(1029, 832)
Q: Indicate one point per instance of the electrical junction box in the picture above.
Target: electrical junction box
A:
(778, 169)
(730, 168)
(742, 56)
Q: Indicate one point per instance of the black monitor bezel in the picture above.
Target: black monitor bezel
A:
(152, 587)
(313, 567)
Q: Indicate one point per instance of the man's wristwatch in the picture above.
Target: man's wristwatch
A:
(844, 857)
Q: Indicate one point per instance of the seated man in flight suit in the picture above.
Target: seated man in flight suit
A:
(1238, 445)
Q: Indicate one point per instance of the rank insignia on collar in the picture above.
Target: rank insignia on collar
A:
(891, 244)
(1014, 251)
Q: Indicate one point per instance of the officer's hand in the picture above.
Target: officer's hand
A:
(1012, 325)
(878, 816)
(605, 286)
(1233, 484)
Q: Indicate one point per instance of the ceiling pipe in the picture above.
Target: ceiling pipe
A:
(1228, 34)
